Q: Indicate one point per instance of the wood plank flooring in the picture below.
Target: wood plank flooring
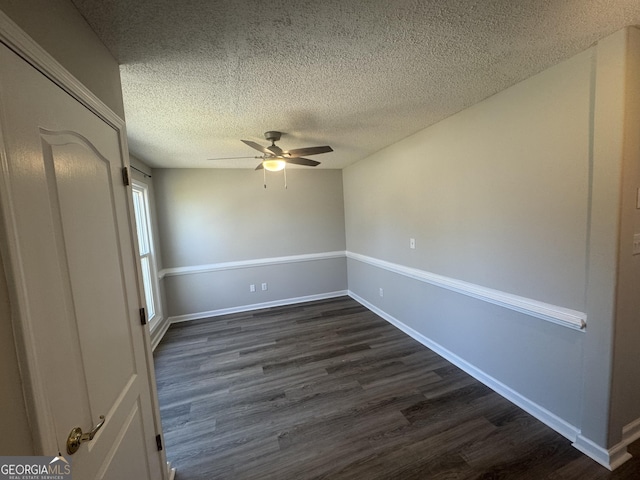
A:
(328, 390)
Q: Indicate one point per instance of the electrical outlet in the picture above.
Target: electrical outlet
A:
(636, 244)
(264, 286)
(381, 292)
(412, 243)
(252, 288)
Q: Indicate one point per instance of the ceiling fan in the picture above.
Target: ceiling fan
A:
(275, 159)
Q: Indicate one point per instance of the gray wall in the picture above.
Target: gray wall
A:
(487, 192)
(502, 195)
(611, 382)
(521, 193)
(626, 378)
(496, 196)
(59, 29)
(213, 216)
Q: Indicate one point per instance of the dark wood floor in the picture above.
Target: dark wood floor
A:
(329, 390)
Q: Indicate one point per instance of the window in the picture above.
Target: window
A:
(145, 246)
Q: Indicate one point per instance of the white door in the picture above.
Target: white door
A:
(67, 233)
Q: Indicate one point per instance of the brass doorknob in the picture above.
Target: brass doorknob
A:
(76, 437)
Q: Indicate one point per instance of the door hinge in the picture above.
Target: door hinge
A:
(159, 442)
(143, 316)
(125, 176)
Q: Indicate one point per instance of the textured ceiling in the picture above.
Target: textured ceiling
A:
(358, 75)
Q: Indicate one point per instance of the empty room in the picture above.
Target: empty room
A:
(296, 240)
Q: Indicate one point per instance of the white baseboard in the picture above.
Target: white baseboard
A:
(616, 455)
(171, 471)
(158, 332)
(256, 306)
(610, 459)
(631, 431)
(545, 416)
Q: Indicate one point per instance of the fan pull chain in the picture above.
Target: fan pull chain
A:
(264, 177)
(285, 176)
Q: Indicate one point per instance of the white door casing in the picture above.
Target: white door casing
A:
(67, 235)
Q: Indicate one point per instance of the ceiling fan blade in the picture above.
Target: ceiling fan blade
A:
(259, 167)
(275, 150)
(229, 158)
(303, 161)
(257, 146)
(300, 152)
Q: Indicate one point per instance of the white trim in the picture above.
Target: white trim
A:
(545, 311)
(255, 306)
(610, 459)
(260, 262)
(143, 188)
(27, 48)
(631, 432)
(616, 455)
(545, 416)
(158, 331)
(552, 313)
(171, 472)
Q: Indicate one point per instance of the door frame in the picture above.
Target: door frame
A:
(40, 424)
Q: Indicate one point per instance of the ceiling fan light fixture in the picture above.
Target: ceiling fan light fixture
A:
(274, 165)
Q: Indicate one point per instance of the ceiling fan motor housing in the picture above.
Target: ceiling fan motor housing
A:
(272, 136)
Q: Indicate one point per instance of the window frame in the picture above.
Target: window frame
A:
(153, 316)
